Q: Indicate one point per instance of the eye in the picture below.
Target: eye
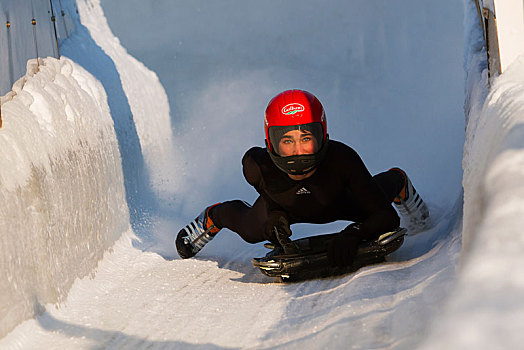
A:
(306, 138)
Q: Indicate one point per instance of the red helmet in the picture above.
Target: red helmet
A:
(295, 109)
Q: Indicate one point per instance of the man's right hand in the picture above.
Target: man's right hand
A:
(277, 227)
(277, 220)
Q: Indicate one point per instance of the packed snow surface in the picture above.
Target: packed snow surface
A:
(391, 79)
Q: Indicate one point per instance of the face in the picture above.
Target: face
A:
(297, 142)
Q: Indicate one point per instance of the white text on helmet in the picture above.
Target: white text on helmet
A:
(292, 108)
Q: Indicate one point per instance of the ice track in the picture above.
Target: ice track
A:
(392, 86)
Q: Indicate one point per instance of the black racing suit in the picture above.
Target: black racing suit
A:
(340, 189)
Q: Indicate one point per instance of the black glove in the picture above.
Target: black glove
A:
(277, 220)
(343, 248)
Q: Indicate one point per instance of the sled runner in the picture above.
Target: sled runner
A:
(306, 258)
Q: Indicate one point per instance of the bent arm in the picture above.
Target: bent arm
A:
(253, 175)
(380, 215)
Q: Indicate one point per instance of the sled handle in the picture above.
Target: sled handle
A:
(287, 244)
(390, 236)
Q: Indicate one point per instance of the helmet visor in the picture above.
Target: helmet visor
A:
(296, 139)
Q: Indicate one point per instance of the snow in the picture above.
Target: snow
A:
(60, 169)
(485, 310)
(148, 103)
(489, 293)
(138, 105)
(64, 137)
(393, 88)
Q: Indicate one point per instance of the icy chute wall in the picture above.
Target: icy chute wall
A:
(61, 191)
(488, 294)
(502, 24)
(63, 180)
(507, 140)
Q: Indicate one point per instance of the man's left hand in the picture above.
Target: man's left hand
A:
(343, 249)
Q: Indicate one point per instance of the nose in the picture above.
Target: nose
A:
(299, 150)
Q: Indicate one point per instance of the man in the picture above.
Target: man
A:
(303, 177)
